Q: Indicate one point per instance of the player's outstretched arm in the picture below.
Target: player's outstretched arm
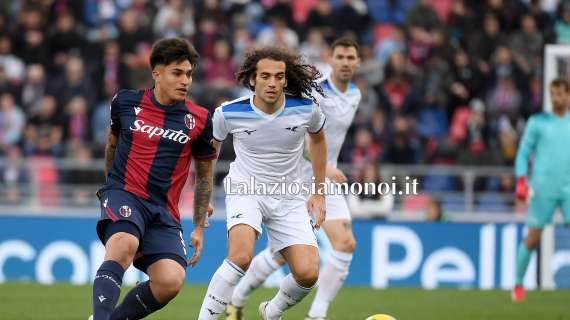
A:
(110, 148)
(202, 194)
(316, 204)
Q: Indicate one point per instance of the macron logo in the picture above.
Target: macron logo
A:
(101, 298)
(137, 110)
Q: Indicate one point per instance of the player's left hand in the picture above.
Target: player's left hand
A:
(196, 242)
(317, 206)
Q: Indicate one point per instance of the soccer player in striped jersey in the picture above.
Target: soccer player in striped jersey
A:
(154, 135)
(269, 130)
(339, 106)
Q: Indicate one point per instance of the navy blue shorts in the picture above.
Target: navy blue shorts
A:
(160, 236)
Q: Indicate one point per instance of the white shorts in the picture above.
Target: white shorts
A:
(286, 220)
(337, 208)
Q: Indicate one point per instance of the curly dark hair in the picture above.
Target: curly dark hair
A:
(301, 77)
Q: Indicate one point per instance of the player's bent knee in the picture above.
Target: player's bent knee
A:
(121, 247)
(168, 286)
(307, 277)
(347, 245)
(241, 260)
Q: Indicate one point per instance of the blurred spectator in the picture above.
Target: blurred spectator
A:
(504, 99)
(460, 23)
(7, 86)
(370, 68)
(526, 44)
(396, 42)
(242, 43)
(365, 150)
(278, 34)
(44, 131)
(401, 149)
(134, 42)
(31, 44)
(174, 20)
(220, 68)
(396, 92)
(281, 11)
(434, 211)
(13, 66)
(64, 40)
(422, 22)
(81, 176)
(371, 205)
(352, 18)
(76, 128)
(13, 177)
(484, 43)
(33, 88)
(12, 122)
(562, 26)
(74, 82)
(323, 19)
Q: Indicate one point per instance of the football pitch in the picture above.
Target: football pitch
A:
(27, 301)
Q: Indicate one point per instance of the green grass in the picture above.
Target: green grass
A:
(27, 301)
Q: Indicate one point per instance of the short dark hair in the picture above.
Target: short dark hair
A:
(301, 77)
(559, 82)
(166, 51)
(345, 42)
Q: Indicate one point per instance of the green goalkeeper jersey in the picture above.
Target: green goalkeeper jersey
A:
(547, 140)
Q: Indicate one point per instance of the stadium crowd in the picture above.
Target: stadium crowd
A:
(443, 81)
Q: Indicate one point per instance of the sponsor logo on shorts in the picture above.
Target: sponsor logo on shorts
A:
(125, 211)
(105, 202)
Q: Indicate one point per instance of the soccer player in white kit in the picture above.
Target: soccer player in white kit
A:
(339, 106)
(269, 130)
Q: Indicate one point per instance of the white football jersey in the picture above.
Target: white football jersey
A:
(267, 146)
(339, 109)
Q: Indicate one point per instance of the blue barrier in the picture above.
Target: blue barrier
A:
(49, 249)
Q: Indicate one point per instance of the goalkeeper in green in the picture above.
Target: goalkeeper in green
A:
(547, 139)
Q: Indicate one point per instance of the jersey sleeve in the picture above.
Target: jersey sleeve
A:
(526, 147)
(317, 121)
(115, 121)
(202, 148)
(220, 125)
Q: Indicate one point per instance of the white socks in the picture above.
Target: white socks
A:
(220, 290)
(261, 267)
(332, 276)
(290, 293)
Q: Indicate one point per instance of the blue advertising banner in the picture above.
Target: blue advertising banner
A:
(427, 255)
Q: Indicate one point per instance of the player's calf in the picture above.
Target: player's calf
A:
(121, 247)
(166, 280)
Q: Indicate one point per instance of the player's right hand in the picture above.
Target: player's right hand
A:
(210, 213)
(317, 206)
(522, 189)
(335, 174)
(196, 242)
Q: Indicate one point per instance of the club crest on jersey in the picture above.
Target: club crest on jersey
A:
(125, 211)
(190, 121)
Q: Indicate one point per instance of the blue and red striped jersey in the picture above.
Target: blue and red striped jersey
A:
(156, 144)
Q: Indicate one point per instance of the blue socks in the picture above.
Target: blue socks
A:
(106, 289)
(138, 303)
